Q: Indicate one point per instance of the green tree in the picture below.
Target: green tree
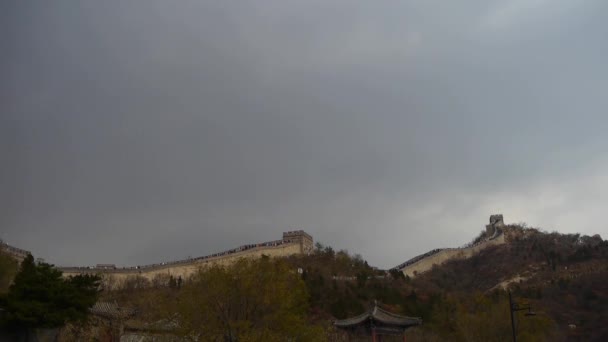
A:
(319, 247)
(40, 298)
(8, 269)
(252, 300)
(487, 318)
(396, 274)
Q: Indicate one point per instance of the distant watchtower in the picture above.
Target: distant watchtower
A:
(496, 221)
(301, 237)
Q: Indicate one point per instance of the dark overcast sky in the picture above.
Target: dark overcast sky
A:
(139, 132)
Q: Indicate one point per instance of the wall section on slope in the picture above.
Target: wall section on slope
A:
(444, 255)
(116, 278)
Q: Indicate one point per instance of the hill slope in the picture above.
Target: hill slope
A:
(564, 277)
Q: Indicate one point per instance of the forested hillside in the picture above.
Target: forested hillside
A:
(563, 278)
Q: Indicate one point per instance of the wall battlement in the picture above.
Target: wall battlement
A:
(292, 243)
(299, 236)
(495, 235)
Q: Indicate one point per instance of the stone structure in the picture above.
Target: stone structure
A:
(496, 222)
(292, 243)
(14, 252)
(301, 237)
(422, 263)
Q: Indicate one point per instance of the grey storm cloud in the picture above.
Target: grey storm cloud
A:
(134, 133)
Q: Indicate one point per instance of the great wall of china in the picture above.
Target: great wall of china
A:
(495, 235)
(292, 243)
(14, 252)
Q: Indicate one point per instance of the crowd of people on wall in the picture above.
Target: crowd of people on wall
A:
(238, 249)
(184, 261)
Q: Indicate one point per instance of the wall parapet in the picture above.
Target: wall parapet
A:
(14, 252)
(187, 267)
(426, 261)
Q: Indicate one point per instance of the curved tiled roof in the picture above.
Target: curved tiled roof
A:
(379, 315)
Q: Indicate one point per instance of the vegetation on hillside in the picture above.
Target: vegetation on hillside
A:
(458, 301)
(40, 298)
(563, 277)
(8, 268)
(341, 285)
(252, 300)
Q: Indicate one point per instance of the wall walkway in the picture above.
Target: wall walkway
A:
(425, 262)
(115, 277)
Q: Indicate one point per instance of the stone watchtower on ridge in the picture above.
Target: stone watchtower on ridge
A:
(301, 237)
(496, 221)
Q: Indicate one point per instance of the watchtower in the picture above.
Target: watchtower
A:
(496, 221)
(299, 236)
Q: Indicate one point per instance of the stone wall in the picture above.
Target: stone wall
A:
(293, 243)
(14, 252)
(446, 254)
(495, 235)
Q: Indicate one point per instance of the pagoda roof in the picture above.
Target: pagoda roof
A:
(379, 315)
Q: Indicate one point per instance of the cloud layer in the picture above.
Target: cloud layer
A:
(133, 134)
